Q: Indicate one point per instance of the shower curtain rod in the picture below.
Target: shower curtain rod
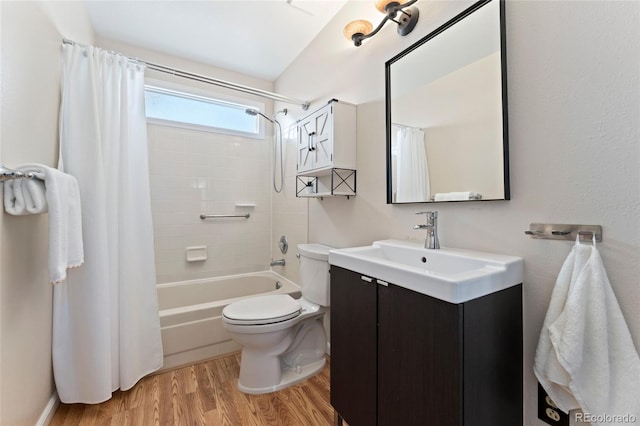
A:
(210, 80)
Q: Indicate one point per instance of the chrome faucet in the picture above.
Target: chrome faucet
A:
(431, 242)
(278, 262)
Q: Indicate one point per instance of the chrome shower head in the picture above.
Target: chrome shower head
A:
(255, 112)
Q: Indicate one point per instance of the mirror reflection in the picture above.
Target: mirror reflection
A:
(446, 119)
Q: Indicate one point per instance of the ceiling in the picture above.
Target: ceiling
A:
(259, 38)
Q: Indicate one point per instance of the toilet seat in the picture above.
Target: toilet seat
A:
(262, 310)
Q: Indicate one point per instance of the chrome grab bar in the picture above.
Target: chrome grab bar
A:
(216, 216)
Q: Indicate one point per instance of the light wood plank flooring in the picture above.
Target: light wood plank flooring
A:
(205, 394)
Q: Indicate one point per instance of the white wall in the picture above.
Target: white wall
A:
(574, 112)
(32, 33)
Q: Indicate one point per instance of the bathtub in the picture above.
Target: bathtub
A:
(191, 313)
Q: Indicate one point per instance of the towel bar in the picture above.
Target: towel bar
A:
(216, 216)
(8, 174)
(564, 232)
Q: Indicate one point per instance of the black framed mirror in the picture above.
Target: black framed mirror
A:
(446, 112)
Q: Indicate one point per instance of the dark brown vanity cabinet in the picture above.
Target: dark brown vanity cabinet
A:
(403, 358)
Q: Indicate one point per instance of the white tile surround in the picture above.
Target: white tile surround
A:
(194, 172)
(289, 212)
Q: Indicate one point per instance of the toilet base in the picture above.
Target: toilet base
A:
(289, 377)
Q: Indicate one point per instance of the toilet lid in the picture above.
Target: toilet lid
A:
(262, 310)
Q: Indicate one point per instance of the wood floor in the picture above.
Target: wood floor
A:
(205, 394)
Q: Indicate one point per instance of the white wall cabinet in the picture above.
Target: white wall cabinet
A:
(327, 140)
(326, 152)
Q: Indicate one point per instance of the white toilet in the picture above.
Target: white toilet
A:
(282, 338)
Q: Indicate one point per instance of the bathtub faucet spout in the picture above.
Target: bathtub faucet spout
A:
(278, 262)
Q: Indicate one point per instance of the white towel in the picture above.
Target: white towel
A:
(34, 193)
(550, 373)
(593, 355)
(454, 196)
(58, 192)
(65, 222)
(25, 196)
(14, 203)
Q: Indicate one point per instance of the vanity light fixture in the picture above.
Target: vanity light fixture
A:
(401, 13)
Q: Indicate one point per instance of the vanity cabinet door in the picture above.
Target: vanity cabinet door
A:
(419, 359)
(353, 347)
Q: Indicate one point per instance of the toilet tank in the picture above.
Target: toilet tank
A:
(314, 272)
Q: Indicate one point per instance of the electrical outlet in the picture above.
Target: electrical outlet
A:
(548, 412)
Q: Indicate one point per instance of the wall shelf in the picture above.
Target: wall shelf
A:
(337, 182)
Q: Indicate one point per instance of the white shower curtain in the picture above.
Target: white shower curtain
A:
(413, 171)
(106, 326)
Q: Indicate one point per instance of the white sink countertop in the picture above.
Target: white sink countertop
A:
(452, 275)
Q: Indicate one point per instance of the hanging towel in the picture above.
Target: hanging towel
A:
(65, 222)
(592, 350)
(550, 373)
(58, 193)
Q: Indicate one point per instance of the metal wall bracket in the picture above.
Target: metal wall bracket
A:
(565, 232)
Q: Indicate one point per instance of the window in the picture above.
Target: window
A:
(188, 110)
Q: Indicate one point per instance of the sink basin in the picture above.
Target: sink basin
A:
(452, 275)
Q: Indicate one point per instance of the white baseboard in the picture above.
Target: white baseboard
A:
(49, 410)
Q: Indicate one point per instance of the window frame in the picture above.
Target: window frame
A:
(161, 86)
